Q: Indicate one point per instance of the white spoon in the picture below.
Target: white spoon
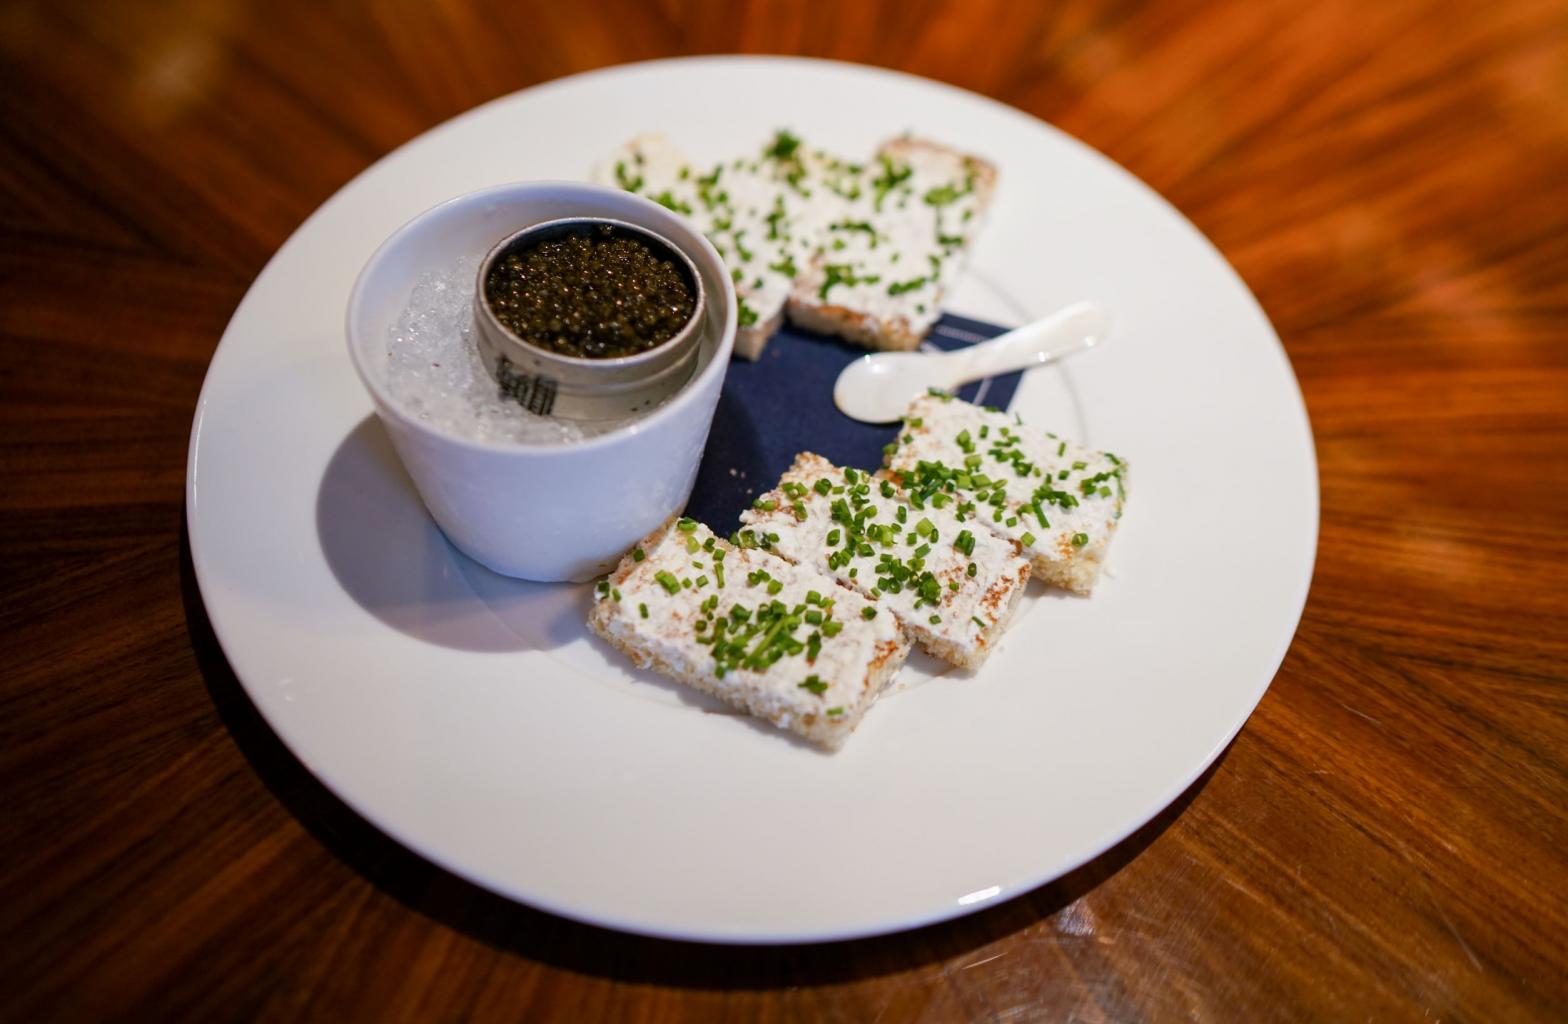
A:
(878, 388)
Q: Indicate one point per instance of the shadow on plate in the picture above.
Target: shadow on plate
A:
(454, 903)
(391, 558)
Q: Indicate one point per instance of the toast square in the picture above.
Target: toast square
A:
(884, 267)
(952, 587)
(781, 642)
(1059, 500)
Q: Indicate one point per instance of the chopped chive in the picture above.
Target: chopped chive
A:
(823, 486)
(977, 621)
(765, 504)
(774, 586)
(868, 612)
(615, 593)
(1080, 539)
(934, 619)
(642, 610)
(835, 712)
(1028, 539)
(814, 684)
(686, 525)
(638, 554)
(667, 580)
(972, 570)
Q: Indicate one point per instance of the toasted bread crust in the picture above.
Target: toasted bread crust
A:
(891, 334)
(750, 341)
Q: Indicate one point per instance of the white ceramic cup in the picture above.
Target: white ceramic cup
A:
(541, 511)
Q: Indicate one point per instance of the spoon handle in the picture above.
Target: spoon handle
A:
(1071, 329)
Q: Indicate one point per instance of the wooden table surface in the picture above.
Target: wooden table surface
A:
(1384, 840)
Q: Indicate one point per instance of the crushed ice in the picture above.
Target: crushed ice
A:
(434, 371)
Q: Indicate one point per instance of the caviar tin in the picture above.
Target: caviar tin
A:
(578, 388)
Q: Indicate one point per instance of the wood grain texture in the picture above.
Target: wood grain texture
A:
(1385, 839)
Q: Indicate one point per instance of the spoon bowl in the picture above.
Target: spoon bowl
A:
(877, 388)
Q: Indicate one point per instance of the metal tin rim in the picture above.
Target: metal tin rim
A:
(653, 359)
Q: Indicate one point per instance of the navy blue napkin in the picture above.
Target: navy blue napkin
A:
(783, 404)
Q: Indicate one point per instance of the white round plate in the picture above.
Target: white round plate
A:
(474, 719)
